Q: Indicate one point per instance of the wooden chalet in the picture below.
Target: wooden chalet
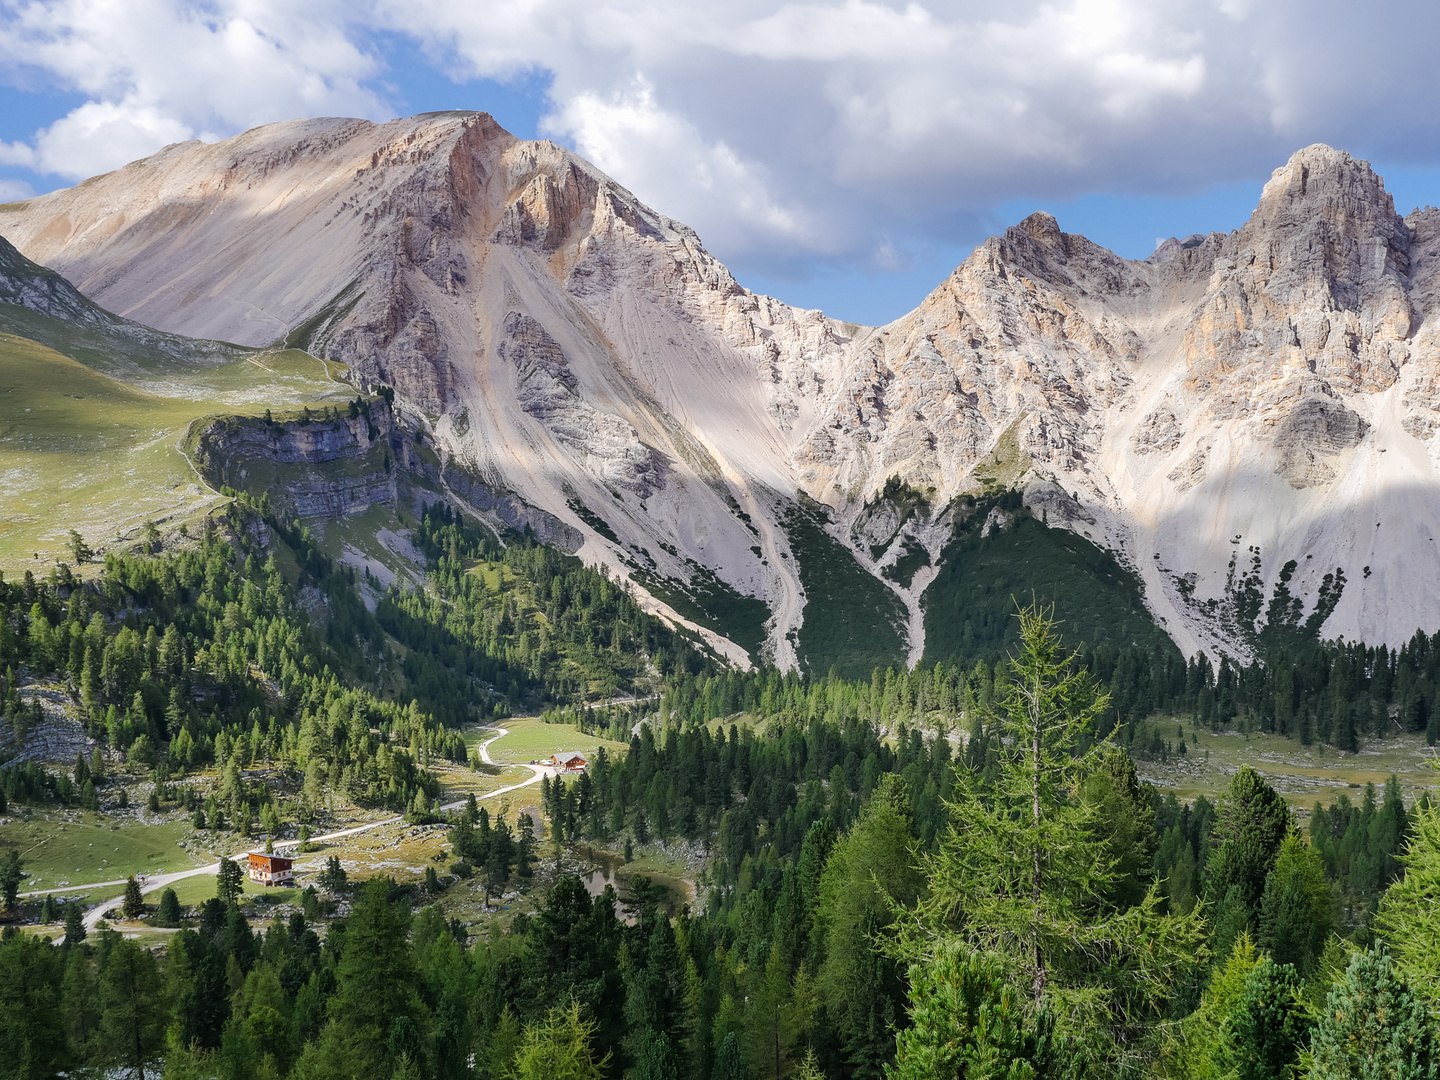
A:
(271, 869)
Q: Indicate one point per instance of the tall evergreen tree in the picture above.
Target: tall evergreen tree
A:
(229, 880)
(11, 875)
(1024, 873)
(74, 923)
(1407, 912)
(730, 1061)
(133, 906)
(32, 1014)
(969, 1022)
(1295, 912)
(1253, 821)
(132, 1012)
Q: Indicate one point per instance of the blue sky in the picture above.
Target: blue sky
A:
(840, 154)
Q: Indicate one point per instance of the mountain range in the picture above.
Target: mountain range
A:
(1232, 443)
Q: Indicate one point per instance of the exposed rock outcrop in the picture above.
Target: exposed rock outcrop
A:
(333, 465)
(581, 364)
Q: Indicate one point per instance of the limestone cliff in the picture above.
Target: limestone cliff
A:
(1234, 403)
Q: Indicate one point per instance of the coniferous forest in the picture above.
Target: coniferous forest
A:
(951, 872)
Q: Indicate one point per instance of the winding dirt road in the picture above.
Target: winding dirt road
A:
(159, 881)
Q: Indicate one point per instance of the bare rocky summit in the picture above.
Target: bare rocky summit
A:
(1229, 405)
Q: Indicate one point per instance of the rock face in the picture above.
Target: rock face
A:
(334, 465)
(1276, 388)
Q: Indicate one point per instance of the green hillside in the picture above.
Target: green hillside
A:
(80, 449)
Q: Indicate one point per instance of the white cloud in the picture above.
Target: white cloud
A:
(101, 133)
(784, 132)
(157, 71)
(17, 154)
(14, 190)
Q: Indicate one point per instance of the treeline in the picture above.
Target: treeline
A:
(696, 782)
(245, 650)
(1331, 692)
(876, 908)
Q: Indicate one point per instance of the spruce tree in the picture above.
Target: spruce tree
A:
(133, 906)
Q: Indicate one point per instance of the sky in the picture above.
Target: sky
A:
(844, 155)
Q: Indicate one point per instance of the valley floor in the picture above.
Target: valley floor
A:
(86, 856)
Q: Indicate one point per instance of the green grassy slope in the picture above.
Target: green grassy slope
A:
(80, 449)
(970, 606)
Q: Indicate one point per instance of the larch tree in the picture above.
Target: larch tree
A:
(1027, 874)
(1407, 912)
(558, 1047)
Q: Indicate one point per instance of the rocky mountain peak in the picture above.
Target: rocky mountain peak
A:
(1273, 391)
(1322, 183)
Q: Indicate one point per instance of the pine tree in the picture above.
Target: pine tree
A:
(74, 924)
(1373, 1025)
(333, 878)
(730, 1061)
(969, 1023)
(1252, 823)
(169, 913)
(32, 1013)
(656, 1060)
(1024, 874)
(1203, 1051)
(12, 873)
(1266, 1032)
(1295, 913)
(132, 1013)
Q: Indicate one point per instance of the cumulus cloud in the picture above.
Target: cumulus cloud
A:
(787, 133)
(857, 128)
(159, 71)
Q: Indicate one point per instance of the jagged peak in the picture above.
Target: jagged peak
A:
(1319, 175)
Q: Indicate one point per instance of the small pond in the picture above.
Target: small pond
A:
(607, 869)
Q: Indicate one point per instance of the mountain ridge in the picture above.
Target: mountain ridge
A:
(1262, 389)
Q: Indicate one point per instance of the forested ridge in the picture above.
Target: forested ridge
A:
(950, 872)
